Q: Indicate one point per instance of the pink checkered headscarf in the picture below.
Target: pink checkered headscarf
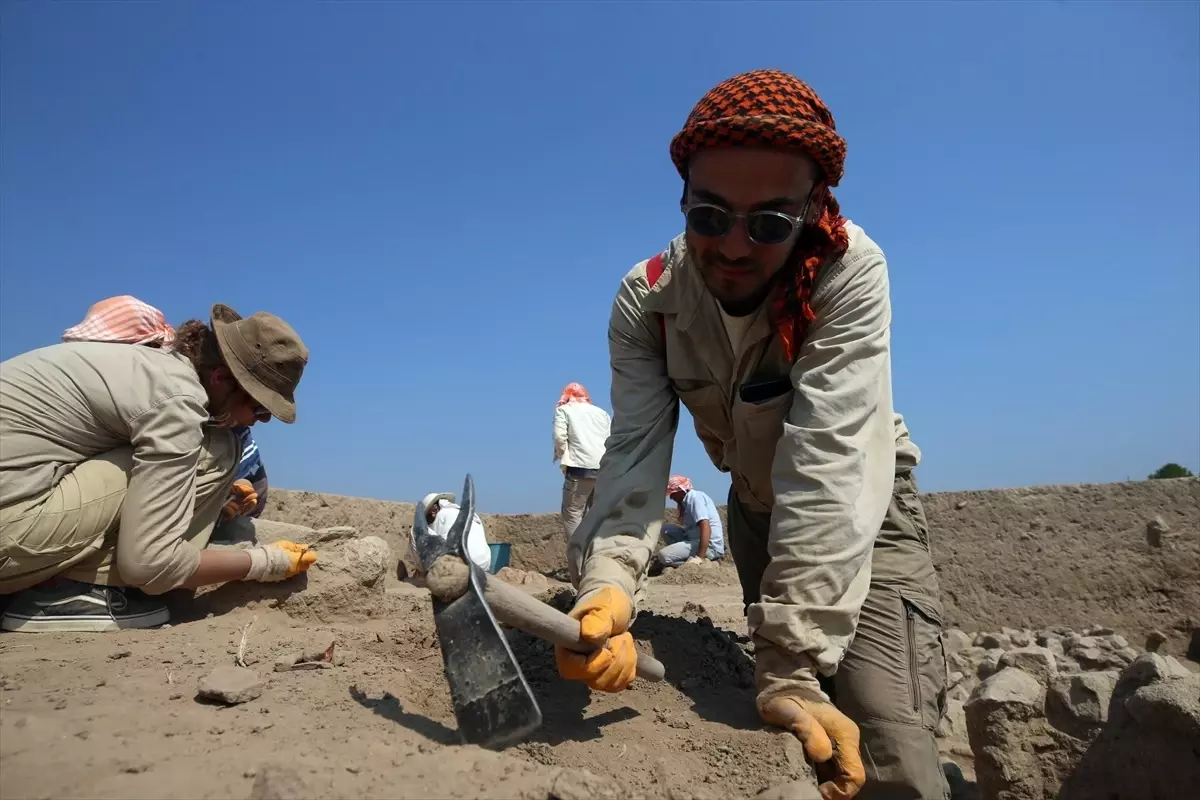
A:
(678, 483)
(123, 319)
(574, 393)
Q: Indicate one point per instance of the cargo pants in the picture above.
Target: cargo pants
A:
(71, 530)
(892, 680)
(579, 486)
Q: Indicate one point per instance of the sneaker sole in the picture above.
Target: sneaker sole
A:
(22, 624)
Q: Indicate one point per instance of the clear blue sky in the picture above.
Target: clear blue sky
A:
(442, 200)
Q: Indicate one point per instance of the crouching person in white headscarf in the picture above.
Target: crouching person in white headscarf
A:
(441, 512)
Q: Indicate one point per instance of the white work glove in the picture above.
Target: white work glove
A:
(277, 562)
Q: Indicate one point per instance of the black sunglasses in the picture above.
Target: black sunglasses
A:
(763, 227)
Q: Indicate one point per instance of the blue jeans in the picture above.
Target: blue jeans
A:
(682, 544)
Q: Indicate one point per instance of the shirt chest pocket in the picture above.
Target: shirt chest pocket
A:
(757, 428)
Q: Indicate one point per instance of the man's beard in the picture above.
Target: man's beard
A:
(741, 304)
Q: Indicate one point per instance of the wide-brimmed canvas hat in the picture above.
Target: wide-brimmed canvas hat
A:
(265, 355)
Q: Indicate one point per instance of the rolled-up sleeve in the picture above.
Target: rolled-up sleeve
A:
(832, 476)
(614, 544)
(152, 553)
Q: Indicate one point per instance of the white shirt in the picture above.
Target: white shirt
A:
(735, 329)
(580, 430)
(477, 544)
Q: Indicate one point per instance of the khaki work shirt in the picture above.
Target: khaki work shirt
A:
(820, 455)
(63, 404)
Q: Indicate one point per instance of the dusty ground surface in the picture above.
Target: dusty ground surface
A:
(116, 715)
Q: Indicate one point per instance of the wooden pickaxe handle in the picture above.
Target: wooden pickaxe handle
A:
(448, 580)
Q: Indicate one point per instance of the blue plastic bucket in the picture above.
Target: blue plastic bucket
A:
(500, 555)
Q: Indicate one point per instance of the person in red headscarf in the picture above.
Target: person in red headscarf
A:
(770, 319)
(580, 430)
(698, 534)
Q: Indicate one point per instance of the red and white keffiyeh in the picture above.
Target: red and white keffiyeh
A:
(678, 483)
(123, 319)
(574, 393)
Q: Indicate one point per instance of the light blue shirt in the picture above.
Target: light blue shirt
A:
(697, 506)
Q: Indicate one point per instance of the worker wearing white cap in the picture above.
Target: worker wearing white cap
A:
(441, 512)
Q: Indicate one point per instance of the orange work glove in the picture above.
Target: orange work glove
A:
(603, 617)
(279, 561)
(827, 735)
(242, 500)
(300, 555)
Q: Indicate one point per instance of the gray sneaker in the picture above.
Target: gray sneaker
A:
(67, 606)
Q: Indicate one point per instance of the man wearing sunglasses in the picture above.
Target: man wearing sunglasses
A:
(769, 318)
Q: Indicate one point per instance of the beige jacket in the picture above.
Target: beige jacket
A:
(580, 430)
(820, 456)
(63, 404)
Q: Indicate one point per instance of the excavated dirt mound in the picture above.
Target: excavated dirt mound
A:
(1071, 555)
(1034, 557)
(709, 573)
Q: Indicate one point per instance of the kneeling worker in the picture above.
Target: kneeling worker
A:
(117, 461)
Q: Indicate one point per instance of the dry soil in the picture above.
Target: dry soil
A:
(116, 715)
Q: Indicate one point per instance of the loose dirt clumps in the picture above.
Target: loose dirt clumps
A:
(1035, 557)
(704, 573)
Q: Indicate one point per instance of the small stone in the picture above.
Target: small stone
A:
(1067, 666)
(990, 664)
(1098, 630)
(796, 790)
(966, 661)
(960, 693)
(1118, 641)
(953, 724)
(954, 678)
(231, 685)
(278, 782)
(1155, 641)
(960, 505)
(1084, 698)
(1019, 638)
(1156, 529)
(955, 641)
(1150, 668)
(1050, 641)
(579, 784)
(1095, 658)
(992, 641)
(1037, 661)
(1013, 688)
(120, 654)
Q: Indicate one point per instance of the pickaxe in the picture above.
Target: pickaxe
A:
(492, 702)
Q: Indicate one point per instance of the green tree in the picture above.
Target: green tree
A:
(1171, 470)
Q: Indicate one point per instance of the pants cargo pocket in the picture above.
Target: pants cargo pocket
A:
(926, 657)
